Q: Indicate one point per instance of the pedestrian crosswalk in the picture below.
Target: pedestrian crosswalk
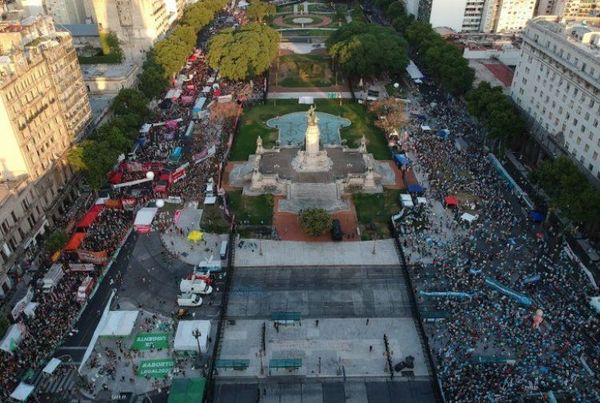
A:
(64, 379)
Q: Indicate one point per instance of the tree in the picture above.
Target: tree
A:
(152, 80)
(130, 101)
(109, 43)
(258, 10)
(367, 49)
(56, 241)
(243, 53)
(314, 221)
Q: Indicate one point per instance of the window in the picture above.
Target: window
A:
(586, 148)
(595, 155)
(14, 217)
(578, 140)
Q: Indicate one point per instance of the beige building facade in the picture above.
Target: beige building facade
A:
(43, 107)
(506, 15)
(137, 23)
(557, 83)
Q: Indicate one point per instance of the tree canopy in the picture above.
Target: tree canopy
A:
(364, 50)
(314, 221)
(152, 81)
(244, 52)
(568, 190)
(500, 117)
(258, 10)
(56, 241)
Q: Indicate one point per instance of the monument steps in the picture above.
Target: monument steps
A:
(312, 195)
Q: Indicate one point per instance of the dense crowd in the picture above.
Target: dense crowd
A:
(53, 317)
(105, 233)
(489, 346)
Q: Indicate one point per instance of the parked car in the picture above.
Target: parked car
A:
(189, 300)
(336, 230)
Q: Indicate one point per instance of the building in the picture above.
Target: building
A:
(442, 13)
(557, 83)
(506, 15)
(63, 11)
(43, 107)
(174, 9)
(137, 23)
(472, 16)
(569, 8)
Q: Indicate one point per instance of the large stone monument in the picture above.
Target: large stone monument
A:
(312, 158)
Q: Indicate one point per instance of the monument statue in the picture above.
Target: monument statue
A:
(312, 116)
(259, 146)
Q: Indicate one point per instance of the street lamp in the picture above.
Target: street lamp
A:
(197, 334)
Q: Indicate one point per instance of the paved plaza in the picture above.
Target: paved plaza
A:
(267, 253)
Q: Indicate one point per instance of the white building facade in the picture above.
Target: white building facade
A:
(557, 83)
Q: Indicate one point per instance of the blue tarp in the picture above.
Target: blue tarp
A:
(176, 154)
(532, 279)
(520, 298)
(449, 294)
(401, 159)
(416, 188)
(536, 216)
(443, 134)
(141, 141)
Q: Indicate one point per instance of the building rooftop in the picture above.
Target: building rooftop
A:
(9, 186)
(582, 33)
(107, 70)
(78, 30)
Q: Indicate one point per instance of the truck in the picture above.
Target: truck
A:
(52, 278)
(195, 287)
(85, 289)
(189, 299)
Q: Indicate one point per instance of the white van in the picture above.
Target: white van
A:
(195, 287)
(223, 251)
(189, 300)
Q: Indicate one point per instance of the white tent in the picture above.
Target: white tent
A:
(145, 216)
(146, 128)
(30, 309)
(51, 366)
(414, 72)
(22, 392)
(119, 323)
(406, 200)
(595, 303)
(184, 339)
(173, 93)
(425, 128)
(243, 4)
(468, 217)
(12, 338)
(421, 200)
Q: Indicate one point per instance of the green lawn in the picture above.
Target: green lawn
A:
(253, 124)
(304, 71)
(213, 220)
(374, 211)
(306, 32)
(252, 210)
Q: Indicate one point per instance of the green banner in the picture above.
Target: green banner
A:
(147, 341)
(155, 368)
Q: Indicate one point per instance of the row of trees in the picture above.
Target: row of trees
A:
(495, 110)
(259, 10)
(568, 190)
(240, 53)
(363, 50)
(441, 60)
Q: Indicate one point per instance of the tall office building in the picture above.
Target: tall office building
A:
(557, 83)
(137, 23)
(43, 106)
(63, 11)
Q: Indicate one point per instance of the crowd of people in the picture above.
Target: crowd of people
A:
(489, 344)
(107, 231)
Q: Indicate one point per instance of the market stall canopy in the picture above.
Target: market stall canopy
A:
(22, 392)
(173, 93)
(51, 366)
(184, 337)
(185, 390)
(406, 200)
(468, 217)
(416, 188)
(75, 241)
(30, 309)
(119, 323)
(425, 128)
(146, 128)
(451, 201)
(195, 236)
(401, 159)
(12, 338)
(421, 200)
(414, 72)
(536, 216)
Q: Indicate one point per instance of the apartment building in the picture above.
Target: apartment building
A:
(137, 23)
(471, 16)
(557, 83)
(43, 106)
(63, 11)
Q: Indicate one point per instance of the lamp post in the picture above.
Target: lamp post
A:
(197, 334)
